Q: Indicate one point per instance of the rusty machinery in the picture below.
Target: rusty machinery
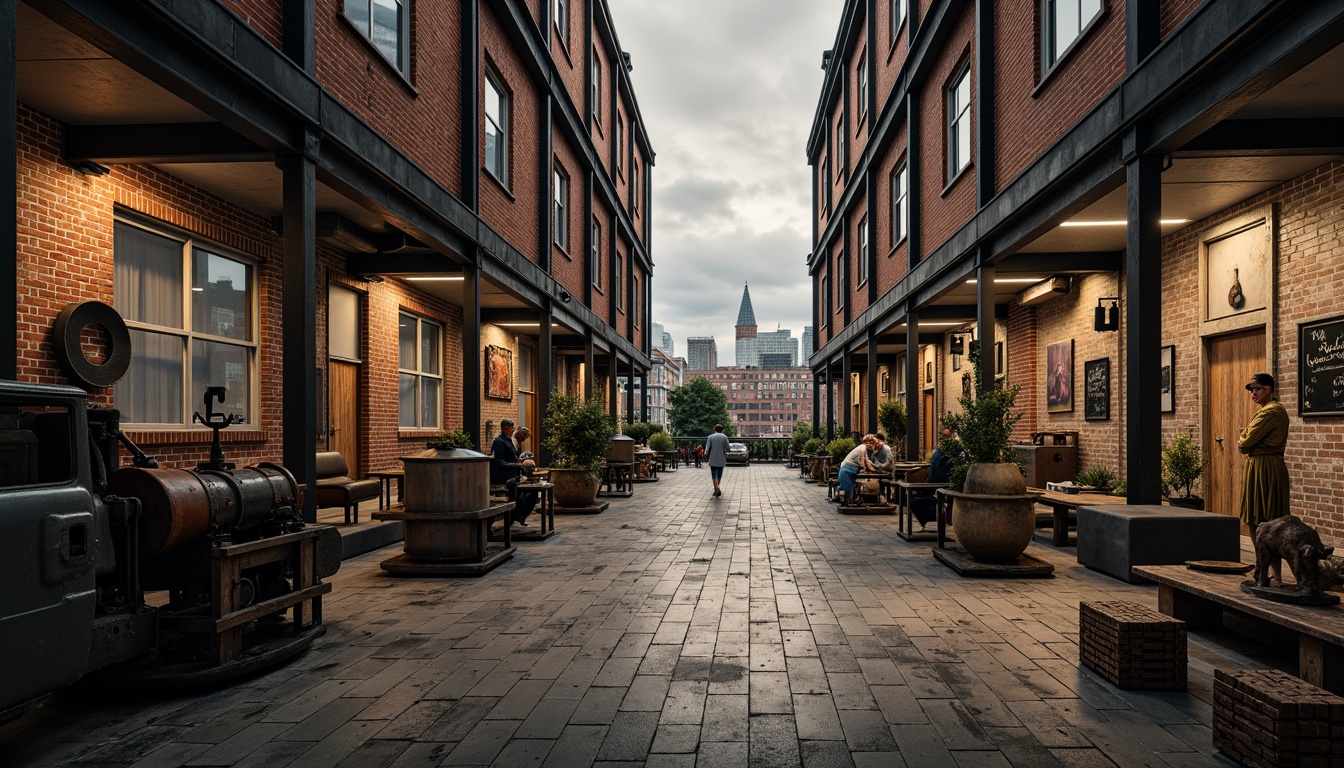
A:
(186, 576)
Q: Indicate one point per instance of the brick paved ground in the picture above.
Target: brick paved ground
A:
(757, 629)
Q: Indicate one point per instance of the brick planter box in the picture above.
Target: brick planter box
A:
(1134, 647)
(1265, 717)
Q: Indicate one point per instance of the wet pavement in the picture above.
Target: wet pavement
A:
(676, 629)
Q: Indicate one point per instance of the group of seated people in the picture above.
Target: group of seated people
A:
(873, 455)
(508, 467)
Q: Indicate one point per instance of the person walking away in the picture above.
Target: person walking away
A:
(716, 448)
(505, 469)
(1264, 489)
(855, 461)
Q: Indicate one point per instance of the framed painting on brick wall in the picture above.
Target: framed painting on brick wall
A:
(1059, 377)
(498, 373)
(1168, 378)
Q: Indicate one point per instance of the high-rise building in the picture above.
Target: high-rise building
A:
(807, 349)
(701, 353)
(661, 339)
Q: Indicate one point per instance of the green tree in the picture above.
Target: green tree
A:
(694, 408)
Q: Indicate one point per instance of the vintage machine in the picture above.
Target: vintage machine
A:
(189, 576)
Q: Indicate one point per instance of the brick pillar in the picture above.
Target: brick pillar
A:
(1023, 363)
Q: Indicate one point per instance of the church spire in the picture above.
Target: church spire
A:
(746, 317)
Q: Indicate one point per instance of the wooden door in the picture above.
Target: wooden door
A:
(929, 417)
(1231, 361)
(343, 412)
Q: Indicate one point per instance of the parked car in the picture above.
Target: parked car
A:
(738, 454)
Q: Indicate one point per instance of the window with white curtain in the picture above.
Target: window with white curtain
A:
(560, 210)
(420, 372)
(863, 251)
(387, 24)
(900, 208)
(191, 311)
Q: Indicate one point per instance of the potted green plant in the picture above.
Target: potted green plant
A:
(992, 512)
(578, 435)
(839, 449)
(1183, 462)
(1100, 477)
(661, 442)
(891, 416)
(638, 431)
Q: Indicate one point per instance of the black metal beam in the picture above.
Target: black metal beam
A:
(1143, 31)
(912, 388)
(471, 355)
(470, 91)
(847, 370)
(9, 171)
(545, 383)
(1143, 341)
(1268, 137)
(984, 324)
(986, 138)
(870, 377)
(1056, 263)
(299, 316)
(161, 143)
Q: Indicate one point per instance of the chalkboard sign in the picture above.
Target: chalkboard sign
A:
(1097, 389)
(1320, 367)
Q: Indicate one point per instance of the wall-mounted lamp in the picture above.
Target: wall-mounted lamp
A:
(90, 168)
(958, 344)
(1106, 317)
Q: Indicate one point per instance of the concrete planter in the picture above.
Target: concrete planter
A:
(574, 487)
(994, 516)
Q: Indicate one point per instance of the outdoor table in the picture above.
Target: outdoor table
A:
(545, 508)
(905, 514)
(944, 508)
(385, 478)
(899, 473)
(644, 465)
(618, 479)
(1061, 504)
(668, 460)
(861, 481)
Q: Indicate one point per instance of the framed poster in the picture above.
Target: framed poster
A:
(1059, 377)
(1097, 389)
(1320, 367)
(928, 372)
(498, 373)
(998, 358)
(1168, 378)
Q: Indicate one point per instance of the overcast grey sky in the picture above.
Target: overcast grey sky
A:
(727, 89)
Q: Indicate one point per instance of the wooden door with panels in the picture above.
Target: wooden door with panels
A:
(344, 339)
(1230, 362)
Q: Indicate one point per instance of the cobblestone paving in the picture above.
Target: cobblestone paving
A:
(676, 629)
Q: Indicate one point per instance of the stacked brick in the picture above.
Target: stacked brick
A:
(1134, 647)
(1264, 718)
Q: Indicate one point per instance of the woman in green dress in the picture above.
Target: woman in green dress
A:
(1264, 489)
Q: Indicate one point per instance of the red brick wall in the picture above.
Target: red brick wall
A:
(263, 16)
(603, 128)
(1176, 11)
(420, 122)
(1028, 122)
(859, 126)
(892, 260)
(940, 213)
(511, 209)
(891, 52)
(1022, 360)
(567, 264)
(637, 203)
(622, 177)
(858, 294)
(601, 303)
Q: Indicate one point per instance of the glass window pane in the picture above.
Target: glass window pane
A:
(429, 347)
(147, 281)
(406, 342)
(220, 304)
(386, 34)
(1066, 25)
(1089, 9)
(151, 392)
(220, 365)
(429, 402)
(963, 141)
(343, 335)
(406, 406)
(492, 149)
(358, 12)
(964, 92)
(492, 111)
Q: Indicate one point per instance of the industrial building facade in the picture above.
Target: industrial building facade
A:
(1129, 207)
(371, 222)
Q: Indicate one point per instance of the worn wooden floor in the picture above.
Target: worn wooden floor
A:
(676, 629)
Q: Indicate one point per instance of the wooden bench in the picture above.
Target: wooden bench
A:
(1199, 598)
(1134, 647)
(1267, 717)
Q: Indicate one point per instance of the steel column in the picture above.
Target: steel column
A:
(9, 170)
(471, 113)
(471, 353)
(545, 382)
(984, 324)
(1143, 364)
(872, 380)
(846, 370)
(912, 387)
(299, 317)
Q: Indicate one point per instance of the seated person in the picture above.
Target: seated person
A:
(529, 463)
(856, 461)
(879, 456)
(922, 502)
(505, 468)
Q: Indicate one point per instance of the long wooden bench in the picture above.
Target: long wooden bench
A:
(1198, 598)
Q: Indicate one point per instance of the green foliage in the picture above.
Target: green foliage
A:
(983, 427)
(654, 427)
(1182, 463)
(1121, 487)
(802, 432)
(661, 441)
(578, 434)
(839, 449)
(813, 446)
(891, 415)
(695, 407)
(1100, 477)
(637, 431)
(458, 438)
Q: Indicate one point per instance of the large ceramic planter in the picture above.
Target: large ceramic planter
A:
(574, 487)
(994, 516)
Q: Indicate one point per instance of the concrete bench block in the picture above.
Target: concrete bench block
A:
(1115, 537)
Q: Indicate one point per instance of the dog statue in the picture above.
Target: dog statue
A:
(1288, 538)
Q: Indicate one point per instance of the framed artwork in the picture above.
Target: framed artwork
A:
(1320, 357)
(1059, 377)
(1097, 389)
(928, 372)
(498, 372)
(998, 358)
(966, 386)
(1168, 378)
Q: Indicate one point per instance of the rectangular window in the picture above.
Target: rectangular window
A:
(900, 207)
(596, 95)
(863, 251)
(620, 140)
(1065, 22)
(825, 300)
(826, 185)
(191, 312)
(840, 147)
(595, 256)
(959, 123)
(841, 281)
(639, 301)
(560, 210)
(897, 17)
(636, 191)
(420, 372)
(560, 10)
(496, 128)
(386, 23)
(616, 284)
(863, 84)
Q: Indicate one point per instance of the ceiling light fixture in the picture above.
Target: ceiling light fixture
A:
(1008, 280)
(437, 279)
(1115, 223)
